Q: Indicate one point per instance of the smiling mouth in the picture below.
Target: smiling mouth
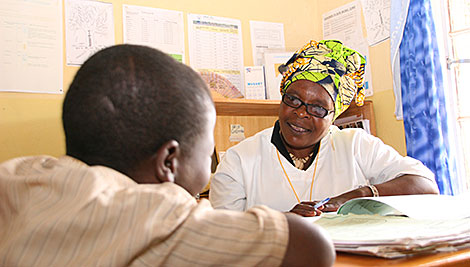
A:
(298, 129)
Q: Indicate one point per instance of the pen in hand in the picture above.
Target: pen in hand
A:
(321, 203)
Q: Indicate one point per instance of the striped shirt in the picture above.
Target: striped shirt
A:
(62, 212)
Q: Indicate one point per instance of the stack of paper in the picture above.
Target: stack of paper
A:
(399, 226)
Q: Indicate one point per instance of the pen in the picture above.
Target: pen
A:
(321, 203)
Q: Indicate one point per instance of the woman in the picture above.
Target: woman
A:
(304, 158)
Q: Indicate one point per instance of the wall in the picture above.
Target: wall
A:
(30, 124)
(389, 129)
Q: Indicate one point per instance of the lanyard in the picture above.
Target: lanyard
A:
(290, 183)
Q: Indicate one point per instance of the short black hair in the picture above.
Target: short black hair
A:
(126, 101)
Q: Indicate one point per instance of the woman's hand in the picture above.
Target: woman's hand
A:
(397, 186)
(306, 209)
(334, 204)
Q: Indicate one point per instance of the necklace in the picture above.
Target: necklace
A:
(313, 177)
(300, 162)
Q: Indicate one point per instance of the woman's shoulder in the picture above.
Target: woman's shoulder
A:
(350, 135)
(346, 132)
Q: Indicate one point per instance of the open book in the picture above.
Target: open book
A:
(399, 226)
(413, 206)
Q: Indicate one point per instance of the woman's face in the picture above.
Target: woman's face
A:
(300, 129)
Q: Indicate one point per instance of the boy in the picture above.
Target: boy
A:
(139, 139)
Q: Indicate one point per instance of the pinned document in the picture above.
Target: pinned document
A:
(265, 36)
(237, 133)
(89, 27)
(255, 87)
(273, 77)
(216, 45)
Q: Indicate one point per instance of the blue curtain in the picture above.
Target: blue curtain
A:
(423, 97)
(398, 15)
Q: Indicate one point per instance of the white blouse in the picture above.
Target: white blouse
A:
(250, 173)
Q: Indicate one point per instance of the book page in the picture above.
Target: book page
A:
(367, 206)
(414, 206)
(375, 229)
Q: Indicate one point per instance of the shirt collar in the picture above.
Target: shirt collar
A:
(276, 140)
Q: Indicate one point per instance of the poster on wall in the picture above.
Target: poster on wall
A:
(89, 27)
(344, 24)
(158, 28)
(266, 36)
(377, 19)
(272, 61)
(215, 45)
(31, 46)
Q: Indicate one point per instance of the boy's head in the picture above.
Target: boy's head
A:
(137, 110)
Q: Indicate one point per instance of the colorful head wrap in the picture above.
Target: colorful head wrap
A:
(340, 70)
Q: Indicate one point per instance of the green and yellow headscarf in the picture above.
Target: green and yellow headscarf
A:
(340, 70)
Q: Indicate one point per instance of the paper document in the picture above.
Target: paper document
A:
(344, 24)
(215, 45)
(370, 229)
(89, 27)
(413, 206)
(237, 133)
(158, 28)
(255, 86)
(377, 18)
(266, 36)
(272, 61)
(31, 46)
(398, 226)
(393, 236)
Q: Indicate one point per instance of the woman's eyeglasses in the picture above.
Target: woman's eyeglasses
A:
(312, 109)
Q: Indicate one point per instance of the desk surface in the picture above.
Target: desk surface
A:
(457, 258)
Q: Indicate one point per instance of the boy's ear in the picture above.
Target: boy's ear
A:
(166, 161)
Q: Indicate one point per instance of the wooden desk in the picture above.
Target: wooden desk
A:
(459, 258)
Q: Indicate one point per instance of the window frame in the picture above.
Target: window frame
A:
(442, 15)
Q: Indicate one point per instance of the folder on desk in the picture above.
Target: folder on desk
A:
(399, 226)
